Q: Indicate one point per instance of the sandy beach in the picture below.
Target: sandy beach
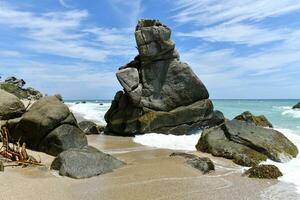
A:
(149, 174)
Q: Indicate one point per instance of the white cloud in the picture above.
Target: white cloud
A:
(230, 11)
(65, 34)
(238, 33)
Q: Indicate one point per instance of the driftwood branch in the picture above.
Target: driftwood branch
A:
(16, 153)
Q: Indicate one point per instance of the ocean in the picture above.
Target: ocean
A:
(279, 113)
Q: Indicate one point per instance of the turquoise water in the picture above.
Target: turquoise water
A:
(279, 112)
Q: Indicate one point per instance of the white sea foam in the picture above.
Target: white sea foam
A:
(290, 169)
(180, 142)
(90, 111)
(292, 113)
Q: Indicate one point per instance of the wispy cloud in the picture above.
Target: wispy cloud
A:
(208, 12)
(64, 34)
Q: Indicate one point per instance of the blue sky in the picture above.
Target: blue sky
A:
(239, 49)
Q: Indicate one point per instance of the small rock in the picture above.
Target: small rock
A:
(85, 163)
(185, 155)
(257, 120)
(205, 165)
(264, 172)
(89, 127)
(297, 106)
(1, 166)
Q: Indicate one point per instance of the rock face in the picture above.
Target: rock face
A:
(49, 126)
(246, 144)
(84, 163)
(15, 86)
(161, 93)
(10, 106)
(297, 106)
(257, 120)
(264, 172)
(89, 128)
(203, 164)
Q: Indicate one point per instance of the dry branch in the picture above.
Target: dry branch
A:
(16, 153)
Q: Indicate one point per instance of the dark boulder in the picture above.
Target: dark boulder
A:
(84, 163)
(41, 124)
(297, 106)
(203, 164)
(214, 141)
(257, 120)
(10, 106)
(89, 127)
(63, 138)
(246, 144)
(264, 172)
(161, 93)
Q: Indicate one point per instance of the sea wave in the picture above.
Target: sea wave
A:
(289, 169)
(90, 110)
(177, 142)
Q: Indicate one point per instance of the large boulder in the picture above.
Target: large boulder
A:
(84, 163)
(246, 144)
(10, 106)
(161, 93)
(297, 106)
(257, 120)
(49, 126)
(264, 172)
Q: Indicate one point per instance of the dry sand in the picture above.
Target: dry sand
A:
(149, 174)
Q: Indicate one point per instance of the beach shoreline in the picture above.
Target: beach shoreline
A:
(150, 173)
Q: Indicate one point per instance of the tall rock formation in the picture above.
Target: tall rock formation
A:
(161, 93)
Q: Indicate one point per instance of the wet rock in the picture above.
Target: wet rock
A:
(264, 172)
(161, 93)
(203, 164)
(297, 106)
(257, 120)
(10, 106)
(84, 163)
(246, 144)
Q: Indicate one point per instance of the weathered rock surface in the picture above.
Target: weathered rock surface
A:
(15, 86)
(10, 106)
(246, 144)
(64, 137)
(264, 172)
(84, 163)
(203, 164)
(297, 106)
(257, 120)
(161, 93)
(89, 127)
(49, 126)
(1, 166)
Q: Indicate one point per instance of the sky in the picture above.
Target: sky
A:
(246, 49)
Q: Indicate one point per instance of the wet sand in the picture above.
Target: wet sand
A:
(149, 174)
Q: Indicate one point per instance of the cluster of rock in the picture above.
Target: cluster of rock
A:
(90, 128)
(297, 106)
(161, 93)
(263, 172)
(50, 127)
(246, 143)
(15, 87)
